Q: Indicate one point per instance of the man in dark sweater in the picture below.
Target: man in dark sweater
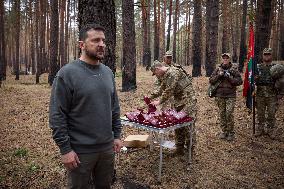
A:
(85, 114)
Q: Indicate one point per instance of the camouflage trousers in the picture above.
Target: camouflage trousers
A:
(182, 134)
(263, 105)
(226, 113)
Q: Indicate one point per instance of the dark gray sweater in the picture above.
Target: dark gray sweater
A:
(84, 112)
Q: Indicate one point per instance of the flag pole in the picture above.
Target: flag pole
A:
(253, 96)
(253, 115)
(253, 85)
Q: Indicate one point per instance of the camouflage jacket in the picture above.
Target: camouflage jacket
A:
(156, 91)
(229, 82)
(157, 83)
(175, 83)
(179, 67)
(264, 81)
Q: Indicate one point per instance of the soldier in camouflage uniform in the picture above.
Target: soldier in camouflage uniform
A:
(176, 84)
(156, 90)
(168, 61)
(266, 96)
(229, 78)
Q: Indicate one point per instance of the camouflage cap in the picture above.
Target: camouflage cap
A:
(267, 51)
(155, 64)
(226, 54)
(169, 53)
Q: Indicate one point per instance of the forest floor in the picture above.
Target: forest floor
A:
(30, 159)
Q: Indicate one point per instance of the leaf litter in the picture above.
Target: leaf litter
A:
(247, 162)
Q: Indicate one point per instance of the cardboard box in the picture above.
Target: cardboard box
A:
(137, 141)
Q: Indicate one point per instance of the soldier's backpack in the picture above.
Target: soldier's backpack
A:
(180, 67)
(277, 71)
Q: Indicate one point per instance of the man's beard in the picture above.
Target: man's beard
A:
(93, 56)
(267, 60)
(168, 62)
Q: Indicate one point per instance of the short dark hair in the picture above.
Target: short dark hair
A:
(83, 31)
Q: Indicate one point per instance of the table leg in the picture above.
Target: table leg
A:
(151, 140)
(161, 157)
(190, 144)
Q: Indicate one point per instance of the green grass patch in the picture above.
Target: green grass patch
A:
(21, 152)
(33, 167)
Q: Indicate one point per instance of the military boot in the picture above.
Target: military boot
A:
(230, 136)
(222, 135)
(271, 133)
(178, 152)
(259, 132)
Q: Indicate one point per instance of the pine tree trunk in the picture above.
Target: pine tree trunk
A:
(101, 12)
(162, 30)
(54, 32)
(156, 30)
(10, 37)
(253, 5)
(182, 62)
(37, 47)
(41, 24)
(243, 46)
(2, 44)
(274, 32)
(212, 39)
(180, 40)
(148, 49)
(197, 39)
(129, 49)
(17, 39)
(175, 30)
(32, 49)
(26, 39)
(226, 29)
(61, 33)
(263, 26)
(187, 37)
(67, 15)
(75, 48)
(207, 25)
(145, 19)
(44, 62)
(47, 38)
(169, 25)
(146, 57)
(281, 45)
(234, 31)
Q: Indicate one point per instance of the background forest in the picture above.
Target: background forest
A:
(41, 36)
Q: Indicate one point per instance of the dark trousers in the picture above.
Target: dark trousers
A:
(94, 171)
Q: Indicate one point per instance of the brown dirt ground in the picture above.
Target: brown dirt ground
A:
(30, 159)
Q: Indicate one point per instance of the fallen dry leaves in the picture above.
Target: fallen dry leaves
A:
(30, 159)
